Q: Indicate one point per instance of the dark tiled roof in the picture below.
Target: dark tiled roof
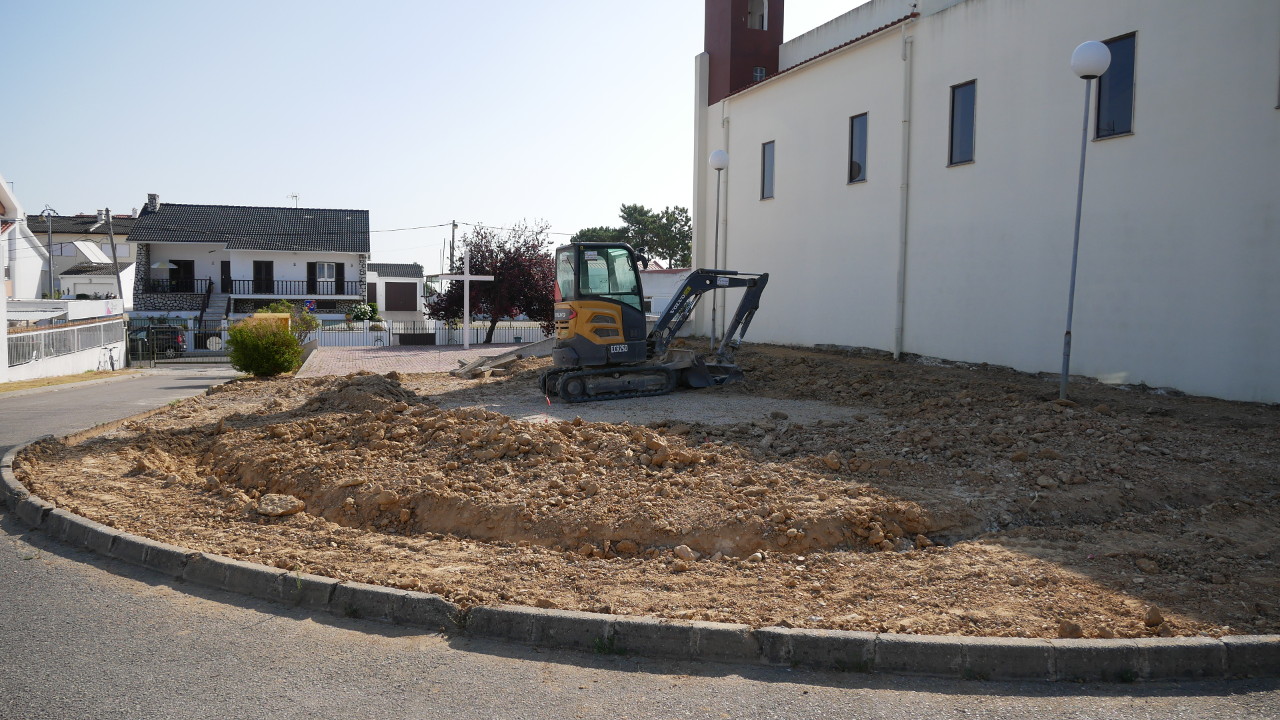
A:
(93, 268)
(397, 270)
(256, 228)
(80, 224)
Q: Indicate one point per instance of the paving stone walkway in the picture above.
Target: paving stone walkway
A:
(401, 358)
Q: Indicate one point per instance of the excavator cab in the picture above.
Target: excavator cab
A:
(599, 310)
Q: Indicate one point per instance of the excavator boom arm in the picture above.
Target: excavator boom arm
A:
(698, 283)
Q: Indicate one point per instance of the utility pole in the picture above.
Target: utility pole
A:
(48, 214)
(452, 235)
(115, 259)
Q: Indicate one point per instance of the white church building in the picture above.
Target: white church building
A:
(907, 174)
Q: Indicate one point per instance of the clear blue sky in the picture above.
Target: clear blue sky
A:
(420, 112)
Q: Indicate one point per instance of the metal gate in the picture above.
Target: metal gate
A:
(151, 344)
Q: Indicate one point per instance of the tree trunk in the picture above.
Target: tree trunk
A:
(493, 325)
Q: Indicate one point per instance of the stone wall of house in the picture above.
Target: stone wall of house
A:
(141, 273)
(168, 301)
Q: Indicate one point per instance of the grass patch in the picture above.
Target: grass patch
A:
(62, 380)
(607, 646)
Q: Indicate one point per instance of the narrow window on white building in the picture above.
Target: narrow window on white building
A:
(758, 14)
(324, 271)
(766, 170)
(963, 101)
(758, 73)
(858, 148)
(1115, 89)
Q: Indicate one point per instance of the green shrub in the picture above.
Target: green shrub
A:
(263, 349)
(301, 322)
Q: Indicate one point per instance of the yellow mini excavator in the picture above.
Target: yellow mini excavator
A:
(603, 349)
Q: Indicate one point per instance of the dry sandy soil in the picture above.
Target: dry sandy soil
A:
(830, 490)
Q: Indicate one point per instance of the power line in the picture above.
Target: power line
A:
(234, 234)
(491, 227)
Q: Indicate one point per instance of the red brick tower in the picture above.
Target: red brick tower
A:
(742, 39)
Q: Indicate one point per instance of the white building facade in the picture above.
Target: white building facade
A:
(951, 236)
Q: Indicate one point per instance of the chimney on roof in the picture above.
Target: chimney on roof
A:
(153, 202)
(102, 216)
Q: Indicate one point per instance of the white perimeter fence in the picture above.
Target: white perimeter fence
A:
(36, 345)
(360, 334)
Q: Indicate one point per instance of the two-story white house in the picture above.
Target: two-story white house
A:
(220, 261)
(80, 248)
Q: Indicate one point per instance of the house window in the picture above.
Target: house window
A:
(766, 170)
(122, 249)
(963, 97)
(758, 73)
(63, 249)
(1115, 90)
(858, 148)
(324, 271)
(758, 14)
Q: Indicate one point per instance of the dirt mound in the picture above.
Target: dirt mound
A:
(597, 488)
(362, 391)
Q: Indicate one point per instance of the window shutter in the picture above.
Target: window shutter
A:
(311, 277)
(339, 286)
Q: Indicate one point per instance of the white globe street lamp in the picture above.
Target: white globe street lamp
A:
(719, 160)
(1089, 61)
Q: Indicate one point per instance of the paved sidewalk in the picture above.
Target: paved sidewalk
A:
(401, 358)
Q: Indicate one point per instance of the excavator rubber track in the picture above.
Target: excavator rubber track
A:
(575, 385)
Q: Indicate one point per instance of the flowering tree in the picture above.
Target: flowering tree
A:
(523, 278)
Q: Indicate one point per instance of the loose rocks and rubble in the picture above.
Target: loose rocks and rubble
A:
(830, 490)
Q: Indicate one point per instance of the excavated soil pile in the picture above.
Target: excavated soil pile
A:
(894, 497)
(601, 489)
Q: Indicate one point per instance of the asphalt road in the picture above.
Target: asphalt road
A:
(85, 636)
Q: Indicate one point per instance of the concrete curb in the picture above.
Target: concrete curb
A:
(944, 656)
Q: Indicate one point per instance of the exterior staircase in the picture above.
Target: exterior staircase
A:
(218, 305)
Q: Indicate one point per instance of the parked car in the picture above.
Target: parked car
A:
(161, 340)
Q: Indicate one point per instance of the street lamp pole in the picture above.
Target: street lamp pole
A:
(1089, 61)
(48, 214)
(719, 160)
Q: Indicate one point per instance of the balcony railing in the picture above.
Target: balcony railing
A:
(199, 286)
(294, 287)
(276, 288)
